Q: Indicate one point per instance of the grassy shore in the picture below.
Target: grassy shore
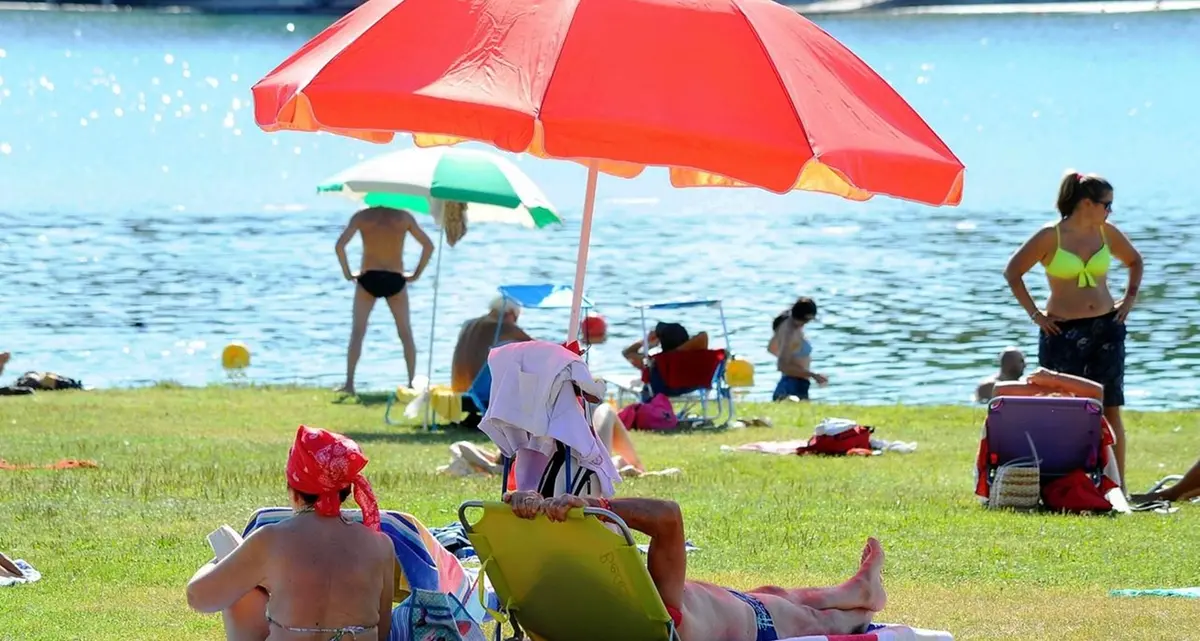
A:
(117, 544)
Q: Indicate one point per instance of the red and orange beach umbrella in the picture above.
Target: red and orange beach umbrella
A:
(724, 93)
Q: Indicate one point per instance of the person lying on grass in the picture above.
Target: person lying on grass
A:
(1187, 488)
(314, 575)
(705, 612)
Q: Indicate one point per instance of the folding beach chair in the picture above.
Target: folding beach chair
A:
(689, 378)
(480, 391)
(557, 472)
(572, 581)
(1068, 434)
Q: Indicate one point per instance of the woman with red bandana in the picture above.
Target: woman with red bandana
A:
(314, 576)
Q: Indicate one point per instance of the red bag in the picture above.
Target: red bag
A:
(1075, 492)
(657, 414)
(856, 440)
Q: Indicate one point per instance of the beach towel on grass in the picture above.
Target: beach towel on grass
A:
(1186, 593)
(792, 448)
(882, 632)
(29, 575)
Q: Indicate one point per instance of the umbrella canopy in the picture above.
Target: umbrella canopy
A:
(494, 188)
(725, 92)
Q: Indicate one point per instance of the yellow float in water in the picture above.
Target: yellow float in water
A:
(739, 373)
(235, 356)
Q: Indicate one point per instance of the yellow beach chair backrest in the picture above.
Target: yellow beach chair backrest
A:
(572, 581)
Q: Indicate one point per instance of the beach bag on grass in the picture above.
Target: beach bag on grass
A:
(1018, 483)
(855, 440)
(1076, 493)
(655, 414)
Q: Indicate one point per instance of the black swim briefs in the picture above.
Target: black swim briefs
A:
(382, 284)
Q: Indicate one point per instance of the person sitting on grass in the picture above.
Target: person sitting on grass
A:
(705, 612)
(315, 573)
(1187, 488)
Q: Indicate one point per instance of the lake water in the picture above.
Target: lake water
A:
(145, 221)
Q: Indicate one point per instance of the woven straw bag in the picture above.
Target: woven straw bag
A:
(1018, 483)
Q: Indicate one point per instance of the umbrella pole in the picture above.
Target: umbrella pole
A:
(585, 239)
(437, 272)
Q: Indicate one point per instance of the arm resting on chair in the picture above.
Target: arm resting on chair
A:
(661, 520)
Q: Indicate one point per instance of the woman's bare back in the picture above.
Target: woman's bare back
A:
(325, 573)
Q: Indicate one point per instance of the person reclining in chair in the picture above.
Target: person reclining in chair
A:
(706, 612)
(667, 337)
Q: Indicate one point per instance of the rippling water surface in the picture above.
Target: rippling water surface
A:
(146, 221)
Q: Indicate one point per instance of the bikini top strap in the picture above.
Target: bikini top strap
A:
(1103, 236)
(1057, 235)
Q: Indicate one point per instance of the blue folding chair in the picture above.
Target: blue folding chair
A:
(480, 391)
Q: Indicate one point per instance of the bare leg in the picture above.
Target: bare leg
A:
(7, 567)
(799, 621)
(4, 356)
(246, 620)
(1186, 488)
(864, 591)
(1113, 414)
(399, 306)
(363, 304)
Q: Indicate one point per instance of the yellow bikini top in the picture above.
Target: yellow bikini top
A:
(1066, 264)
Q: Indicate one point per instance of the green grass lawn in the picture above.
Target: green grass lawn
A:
(117, 544)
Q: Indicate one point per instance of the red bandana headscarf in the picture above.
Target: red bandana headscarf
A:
(324, 463)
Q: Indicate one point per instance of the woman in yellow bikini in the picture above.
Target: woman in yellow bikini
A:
(1082, 330)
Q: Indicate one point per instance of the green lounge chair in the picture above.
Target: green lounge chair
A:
(571, 581)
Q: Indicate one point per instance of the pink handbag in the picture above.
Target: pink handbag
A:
(657, 414)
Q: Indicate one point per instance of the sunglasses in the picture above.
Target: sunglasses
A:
(1107, 204)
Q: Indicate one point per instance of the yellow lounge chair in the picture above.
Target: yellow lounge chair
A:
(571, 581)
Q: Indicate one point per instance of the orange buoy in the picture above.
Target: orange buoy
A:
(235, 356)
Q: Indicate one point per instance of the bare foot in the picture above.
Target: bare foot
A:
(347, 389)
(868, 581)
(4, 356)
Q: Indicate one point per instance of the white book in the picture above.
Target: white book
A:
(224, 540)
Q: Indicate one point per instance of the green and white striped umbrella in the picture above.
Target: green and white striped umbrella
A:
(491, 185)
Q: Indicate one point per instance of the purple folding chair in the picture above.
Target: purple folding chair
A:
(1067, 433)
